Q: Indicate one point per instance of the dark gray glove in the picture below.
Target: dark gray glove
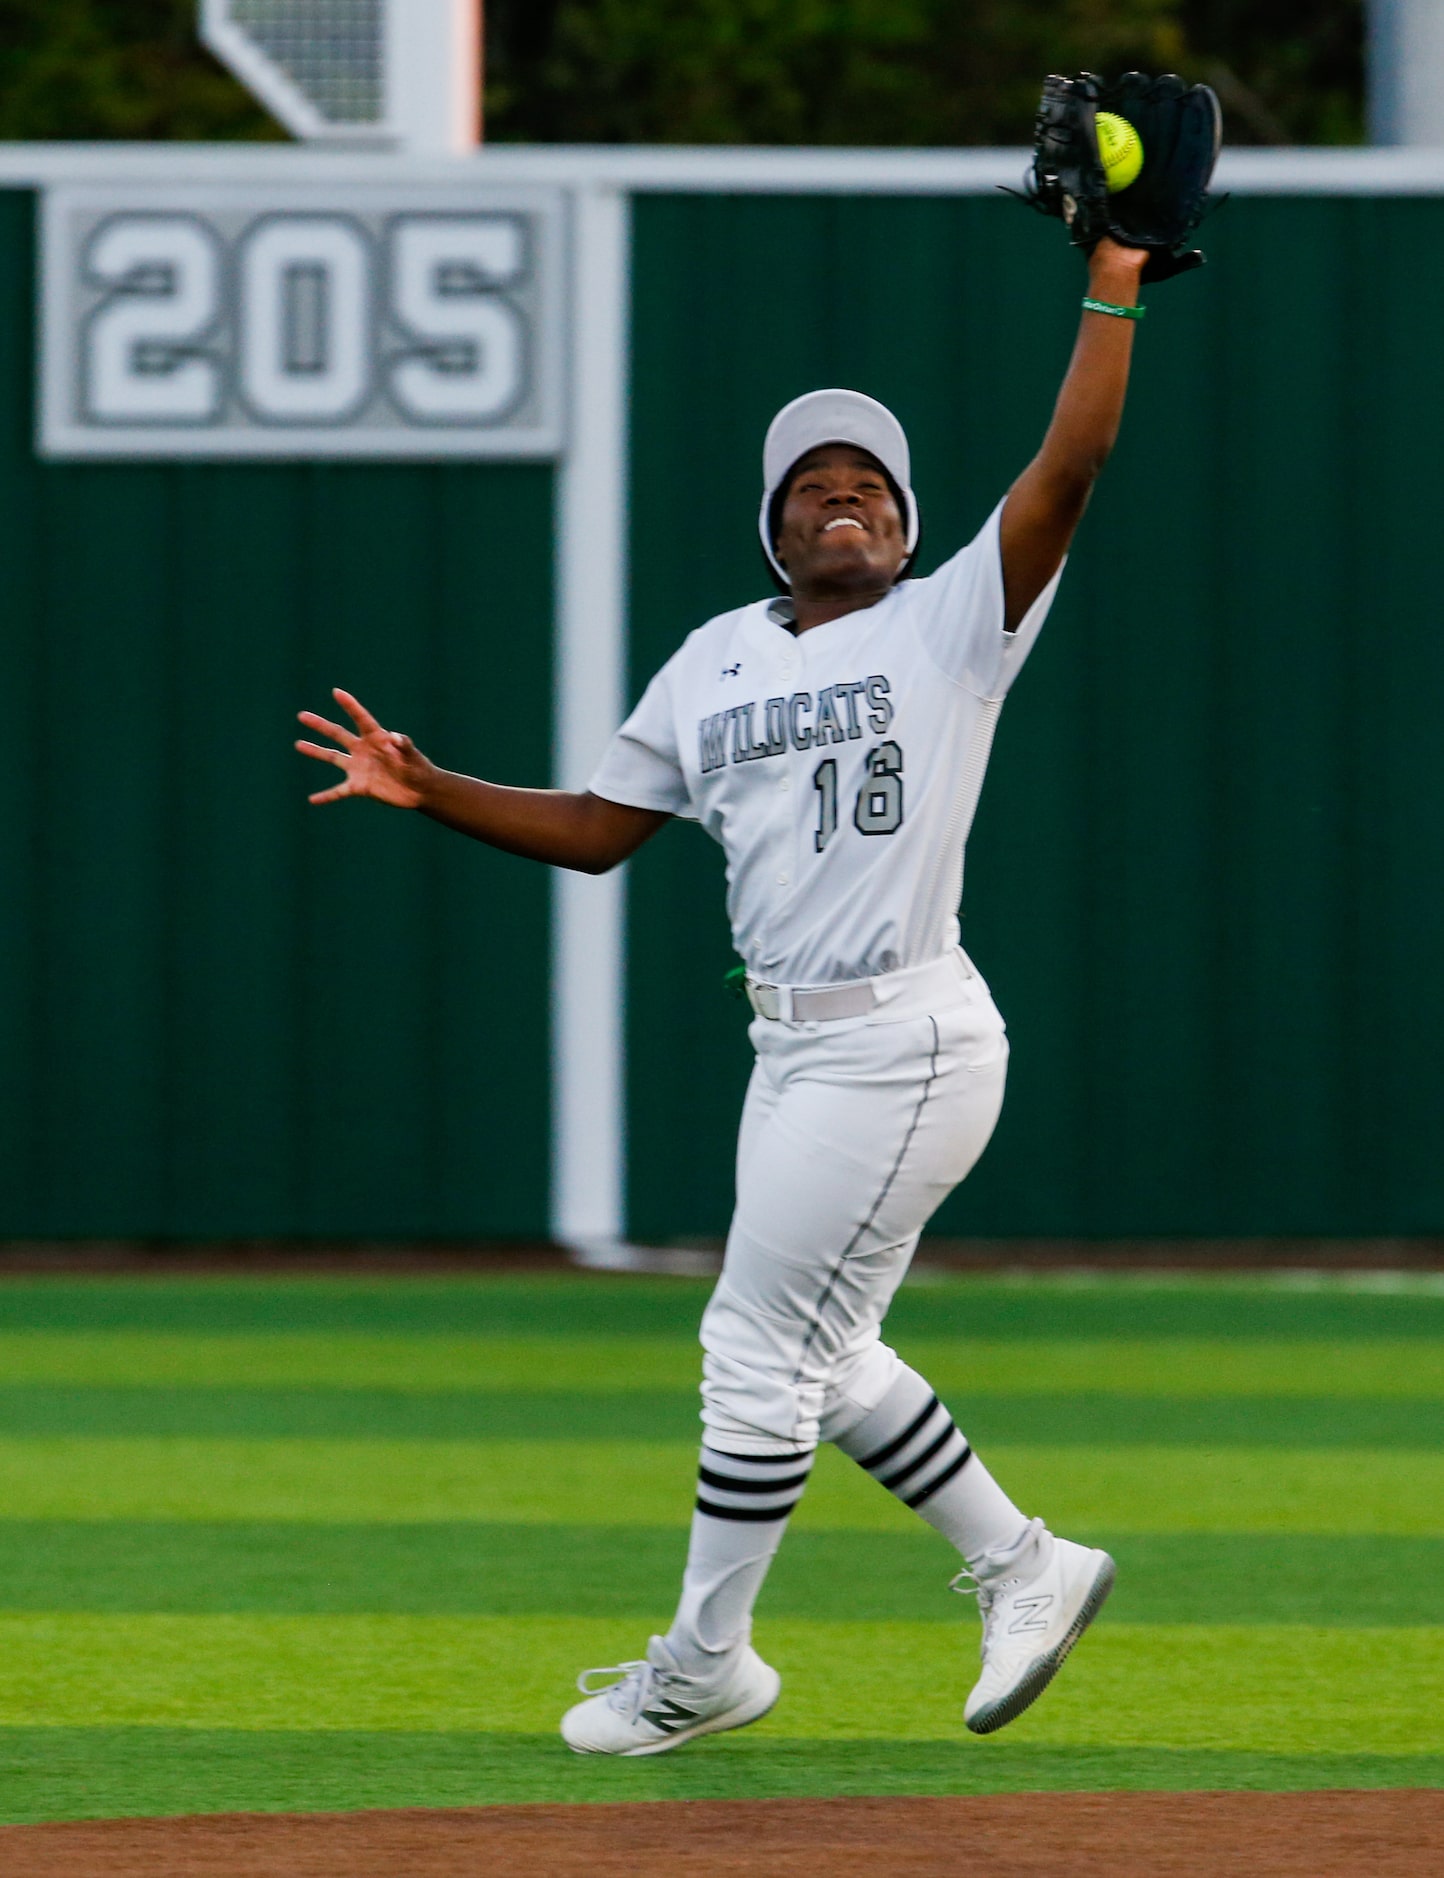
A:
(1179, 127)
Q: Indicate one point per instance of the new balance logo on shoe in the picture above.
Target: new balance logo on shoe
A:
(669, 1716)
(1032, 1614)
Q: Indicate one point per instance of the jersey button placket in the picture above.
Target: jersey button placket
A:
(799, 797)
(804, 796)
(788, 663)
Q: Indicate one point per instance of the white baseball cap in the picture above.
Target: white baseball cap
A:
(834, 416)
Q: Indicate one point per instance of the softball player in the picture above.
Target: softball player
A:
(834, 742)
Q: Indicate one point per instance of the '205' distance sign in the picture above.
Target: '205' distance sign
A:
(301, 322)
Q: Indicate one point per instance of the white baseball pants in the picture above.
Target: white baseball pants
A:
(853, 1133)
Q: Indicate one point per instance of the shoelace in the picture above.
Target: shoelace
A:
(629, 1693)
(967, 1584)
(989, 1592)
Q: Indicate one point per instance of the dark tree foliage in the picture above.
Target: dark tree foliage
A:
(901, 71)
(728, 71)
(1287, 71)
(115, 68)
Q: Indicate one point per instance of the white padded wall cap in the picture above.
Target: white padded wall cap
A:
(834, 416)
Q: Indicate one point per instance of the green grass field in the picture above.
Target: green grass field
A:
(313, 1544)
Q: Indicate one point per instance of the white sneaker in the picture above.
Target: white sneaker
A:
(653, 1706)
(1030, 1624)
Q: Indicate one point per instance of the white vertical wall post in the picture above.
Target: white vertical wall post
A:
(588, 1052)
(433, 68)
(1406, 72)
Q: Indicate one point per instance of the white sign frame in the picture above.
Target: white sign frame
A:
(531, 301)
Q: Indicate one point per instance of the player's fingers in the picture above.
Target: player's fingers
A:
(321, 753)
(356, 711)
(331, 795)
(346, 738)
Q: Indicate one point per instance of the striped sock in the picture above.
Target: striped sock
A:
(911, 1445)
(753, 1487)
(743, 1503)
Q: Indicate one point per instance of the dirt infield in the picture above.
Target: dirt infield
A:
(1387, 1834)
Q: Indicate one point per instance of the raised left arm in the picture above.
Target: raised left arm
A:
(1046, 504)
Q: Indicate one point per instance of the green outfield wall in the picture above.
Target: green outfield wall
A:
(1205, 880)
(221, 1014)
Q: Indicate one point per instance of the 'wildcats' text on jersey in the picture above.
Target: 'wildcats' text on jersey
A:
(839, 768)
(801, 722)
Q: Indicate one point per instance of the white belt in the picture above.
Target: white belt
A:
(801, 1004)
(798, 1004)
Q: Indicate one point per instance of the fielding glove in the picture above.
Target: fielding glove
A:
(1179, 127)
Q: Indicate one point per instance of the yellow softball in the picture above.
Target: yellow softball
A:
(1120, 149)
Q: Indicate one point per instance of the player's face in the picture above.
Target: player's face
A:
(840, 527)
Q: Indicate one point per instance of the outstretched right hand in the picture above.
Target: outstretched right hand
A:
(378, 763)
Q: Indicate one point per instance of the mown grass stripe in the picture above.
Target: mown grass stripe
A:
(460, 1568)
(1063, 1307)
(1258, 1688)
(283, 1412)
(649, 1484)
(1383, 1368)
(98, 1773)
(1084, 1420)
(1182, 1367)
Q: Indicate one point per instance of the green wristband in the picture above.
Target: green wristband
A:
(1106, 306)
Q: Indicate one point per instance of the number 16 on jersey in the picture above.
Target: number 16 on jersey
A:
(878, 809)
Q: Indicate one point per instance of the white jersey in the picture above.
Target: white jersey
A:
(839, 768)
